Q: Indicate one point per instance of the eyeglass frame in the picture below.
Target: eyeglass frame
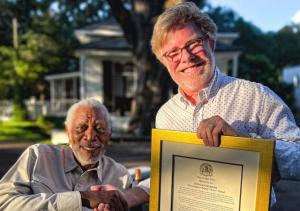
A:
(186, 45)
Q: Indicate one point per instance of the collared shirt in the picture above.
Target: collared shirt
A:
(250, 108)
(47, 177)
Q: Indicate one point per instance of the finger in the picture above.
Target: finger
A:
(201, 133)
(107, 207)
(108, 187)
(96, 187)
(209, 135)
(204, 137)
(199, 129)
(101, 207)
(217, 132)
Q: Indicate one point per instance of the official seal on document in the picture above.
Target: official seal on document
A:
(206, 169)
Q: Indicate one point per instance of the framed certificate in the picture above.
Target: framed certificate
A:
(188, 176)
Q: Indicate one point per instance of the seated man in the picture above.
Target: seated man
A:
(48, 177)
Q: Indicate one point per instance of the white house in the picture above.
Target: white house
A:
(291, 75)
(107, 71)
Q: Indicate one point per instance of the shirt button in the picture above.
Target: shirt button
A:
(81, 181)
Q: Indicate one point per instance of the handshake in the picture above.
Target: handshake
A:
(104, 198)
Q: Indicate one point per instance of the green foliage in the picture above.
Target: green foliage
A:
(55, 122)
(46, 41)
(259, 68)
(25, 65)
(19, 112)
(264, 54)
(41, 120)
(23, 131)
(224, 18)
(286, 52)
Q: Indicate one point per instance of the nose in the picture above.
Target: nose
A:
(186, 56)
(90, 134)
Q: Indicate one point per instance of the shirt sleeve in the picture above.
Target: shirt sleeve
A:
(16, 192)
(278, 123)
(145, 185)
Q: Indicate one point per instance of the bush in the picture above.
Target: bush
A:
(19, 112)
(57, 122)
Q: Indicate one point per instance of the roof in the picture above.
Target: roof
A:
(62, 76)
(108, 28)
(115, 43)
(120, 43)
(221, 47)
(108, 35)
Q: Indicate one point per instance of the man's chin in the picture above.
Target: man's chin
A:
(89, 160)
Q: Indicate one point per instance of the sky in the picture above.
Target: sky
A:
(268, 15)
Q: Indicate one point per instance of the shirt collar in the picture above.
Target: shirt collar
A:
(69, 160)
(206, 93)
(70, 163)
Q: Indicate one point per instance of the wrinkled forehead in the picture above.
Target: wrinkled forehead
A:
(87, 112)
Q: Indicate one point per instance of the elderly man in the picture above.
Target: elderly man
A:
(48, 177)
(211, 103)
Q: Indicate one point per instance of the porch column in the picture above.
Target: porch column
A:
(75, 97)
(81, 76)
(235, 62)
(52, 95)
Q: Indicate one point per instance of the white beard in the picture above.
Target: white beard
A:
(84, 162)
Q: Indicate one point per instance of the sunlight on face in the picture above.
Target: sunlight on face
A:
(88, 135)
(193, 71)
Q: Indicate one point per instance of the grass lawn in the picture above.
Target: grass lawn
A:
(25, 131)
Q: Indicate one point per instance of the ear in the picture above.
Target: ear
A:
(212, 43)
(67, 131)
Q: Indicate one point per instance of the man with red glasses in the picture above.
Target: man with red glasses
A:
(211, 103)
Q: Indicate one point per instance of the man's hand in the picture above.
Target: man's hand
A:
(211, 129)
(104, 206)
(111, 200)
(134, 196)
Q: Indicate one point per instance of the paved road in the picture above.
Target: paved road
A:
(132, 154)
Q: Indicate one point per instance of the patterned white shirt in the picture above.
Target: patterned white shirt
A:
(250, 108)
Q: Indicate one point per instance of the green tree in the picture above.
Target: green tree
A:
(264, 54)
(22, 67)
(137, 18)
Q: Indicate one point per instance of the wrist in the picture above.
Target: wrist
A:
(84, 199)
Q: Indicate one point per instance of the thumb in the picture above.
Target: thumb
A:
(96, 187)
(108, 187)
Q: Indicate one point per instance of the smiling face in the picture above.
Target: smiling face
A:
(88, 134)
(192, 72)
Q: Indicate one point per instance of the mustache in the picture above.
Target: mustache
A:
(92, 145)
(198, 62)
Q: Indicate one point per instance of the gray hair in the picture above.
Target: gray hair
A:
(91, 103)
(180, 14)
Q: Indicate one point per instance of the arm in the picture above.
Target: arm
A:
(136, 196)
(16, 190)
(133, 197)
(113, 198)
(278, 124)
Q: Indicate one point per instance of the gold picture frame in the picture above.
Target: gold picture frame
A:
(171, 151)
